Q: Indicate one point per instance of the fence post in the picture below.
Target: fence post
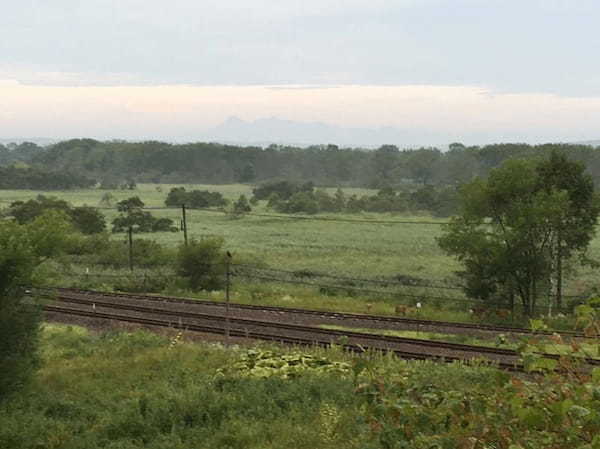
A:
(227, 288)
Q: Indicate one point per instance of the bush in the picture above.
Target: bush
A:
(194, 199)
(301, 202)
(145, 253)
(86, 219)
(203, 263)
(283, 189)
(241, 206)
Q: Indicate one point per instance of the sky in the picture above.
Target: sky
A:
(477, 71)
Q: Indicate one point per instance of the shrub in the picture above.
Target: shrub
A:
(241, 206)
(284, 189)
(86, 219)
(145, 253)
(194, 199)
(203, 263)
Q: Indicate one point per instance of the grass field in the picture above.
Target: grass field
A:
(362, 249)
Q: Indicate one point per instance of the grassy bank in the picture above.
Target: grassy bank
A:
(132, 390)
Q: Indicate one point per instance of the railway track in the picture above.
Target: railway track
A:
(100, 306)
(335, 318)
(286, 339)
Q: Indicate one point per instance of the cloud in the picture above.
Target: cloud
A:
(29, 76)
(509, 45)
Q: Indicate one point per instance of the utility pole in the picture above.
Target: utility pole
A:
(227, 287)
(185, 238)
(130, 232)
(559, 279)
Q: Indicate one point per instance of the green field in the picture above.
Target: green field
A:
(345, 248)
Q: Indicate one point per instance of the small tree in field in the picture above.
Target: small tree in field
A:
(203, 264)
(22, 249)
(241, 206)
(511, 224)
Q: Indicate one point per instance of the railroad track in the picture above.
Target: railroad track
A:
(286, 339)
(337, 318)
(132, 309)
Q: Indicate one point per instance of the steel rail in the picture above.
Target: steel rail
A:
(441, 326)
(268, 337)
(388, 340)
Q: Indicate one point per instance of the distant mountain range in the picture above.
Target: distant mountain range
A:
(266, 131)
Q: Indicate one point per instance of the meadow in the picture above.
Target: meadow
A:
(354, 249)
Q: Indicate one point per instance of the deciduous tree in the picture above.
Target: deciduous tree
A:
(509, 226)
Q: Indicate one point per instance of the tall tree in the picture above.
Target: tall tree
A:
(506, 232)
(574, 229)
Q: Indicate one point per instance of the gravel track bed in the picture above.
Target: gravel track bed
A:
(315, 334)
(315, 318)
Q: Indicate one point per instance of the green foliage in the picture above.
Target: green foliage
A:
(283, 189)
(203, 263)
(553, 410)
(440, 201)
(169, 398)
(132, 216)
(510, 224)
(241, 206)
(86, 219)
(130, 205)
(196, 199)
(100, 249)
(264, 364)
(22, 249)
(203, 395)
(36, 178)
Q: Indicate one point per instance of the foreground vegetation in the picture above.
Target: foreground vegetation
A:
(130, 390)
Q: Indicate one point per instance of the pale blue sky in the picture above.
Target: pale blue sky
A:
(504, 47)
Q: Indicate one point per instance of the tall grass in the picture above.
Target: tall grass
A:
(132, 390)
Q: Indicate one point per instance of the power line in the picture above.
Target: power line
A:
(296, 217)
(297, 273)
(341, 220)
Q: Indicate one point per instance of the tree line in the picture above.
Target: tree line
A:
(325, 165)
(290, 198)
(34, 178)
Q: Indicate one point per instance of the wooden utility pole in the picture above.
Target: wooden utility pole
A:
(559, 270)
(227, 288)
(185, 237)
(130, 232)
